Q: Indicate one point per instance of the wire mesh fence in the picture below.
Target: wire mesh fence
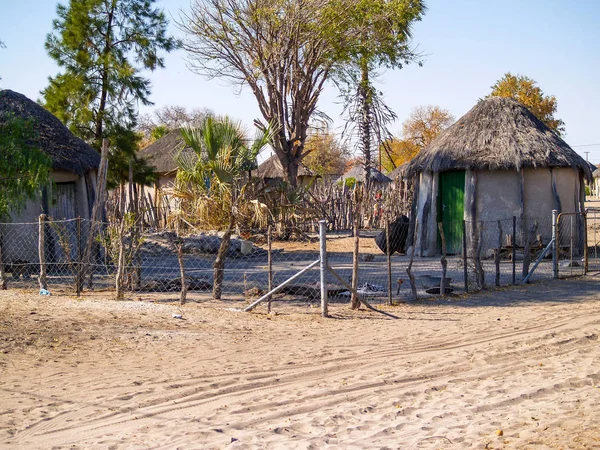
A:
(69, 256)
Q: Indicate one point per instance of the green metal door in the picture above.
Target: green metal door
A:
(451, 208)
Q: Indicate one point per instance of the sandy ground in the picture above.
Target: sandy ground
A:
(515, 369)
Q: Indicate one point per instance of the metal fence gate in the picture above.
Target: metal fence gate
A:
(571, 244)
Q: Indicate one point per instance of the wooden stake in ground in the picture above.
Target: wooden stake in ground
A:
(121, 261)
(443, 260)
(96, 212)
(355, 302)
(389, 259)
(3, 285)
(269, 267)
(497, 253)
(42, 251)
(527, 250)
(411, 277)
(184, 287)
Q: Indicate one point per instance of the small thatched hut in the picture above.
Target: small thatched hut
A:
(74, 169)
(160, 154)
(496, 162)
(358, 173)
(271, 170)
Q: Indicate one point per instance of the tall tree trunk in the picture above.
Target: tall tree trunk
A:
(219, 264)
(98, 132)
(288, 157)
(365, 122)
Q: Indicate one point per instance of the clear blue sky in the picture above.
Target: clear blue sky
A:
(469, 44)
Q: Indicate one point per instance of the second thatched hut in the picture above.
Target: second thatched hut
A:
(496, 162)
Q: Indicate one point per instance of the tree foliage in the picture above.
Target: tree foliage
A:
(168, 118)
(211, 180)
(285, 51)
(421, 127)
(102, 47)
(526, 91)
(279, 48)
(326, 154)
(382, 33)
(24, 167)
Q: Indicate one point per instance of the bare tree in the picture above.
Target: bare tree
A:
(279, 48)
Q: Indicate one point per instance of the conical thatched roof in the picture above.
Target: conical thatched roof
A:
(358, 173)
(272, 168)
(161, 152)
(497, 134)
(398, 172)
(66, 151)
(596, 173)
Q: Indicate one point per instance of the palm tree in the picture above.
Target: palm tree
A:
(214, 177)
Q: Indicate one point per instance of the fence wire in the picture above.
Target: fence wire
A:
(488, 254)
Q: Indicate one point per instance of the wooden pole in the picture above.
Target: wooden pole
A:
(96, 212)
(355, 301)
(411, 277)
(464, 255)
(184, 286)
(79, 255)
(269, 266)
(497, 254)
(585, 247)
(120, 262)
(443, 260)
(3, 285)
(555, 245)
(389, 259)
(323, 266)
(514, 251)
(42, 251)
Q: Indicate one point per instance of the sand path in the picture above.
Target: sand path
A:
(448, 374)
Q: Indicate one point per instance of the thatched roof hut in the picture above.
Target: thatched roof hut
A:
(359, 174)
(68, 152)
(399, 172)
(271, 168)
(160, 154)
(496, 162)
(497, 134)
(74, 165)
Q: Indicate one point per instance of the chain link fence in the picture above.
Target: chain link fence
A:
(68, 256)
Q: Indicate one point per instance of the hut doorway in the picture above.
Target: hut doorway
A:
(451, 208)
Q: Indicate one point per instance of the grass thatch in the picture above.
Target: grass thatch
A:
(358, 173)
(271, 168)
(497, 134)
(66, 151)
(161, 153)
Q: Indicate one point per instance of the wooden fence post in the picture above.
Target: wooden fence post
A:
(3, 285)
(42, 251)
(269, 267)
(465, 259)
(514, 251)
(443, 260)
(389, 259)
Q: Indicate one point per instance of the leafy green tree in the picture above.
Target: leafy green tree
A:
(422, 126)
(326, 154)
(103, 46)
(24, 167)
(281, 49)
(526, 91)
(382, 33)
(212, 178)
